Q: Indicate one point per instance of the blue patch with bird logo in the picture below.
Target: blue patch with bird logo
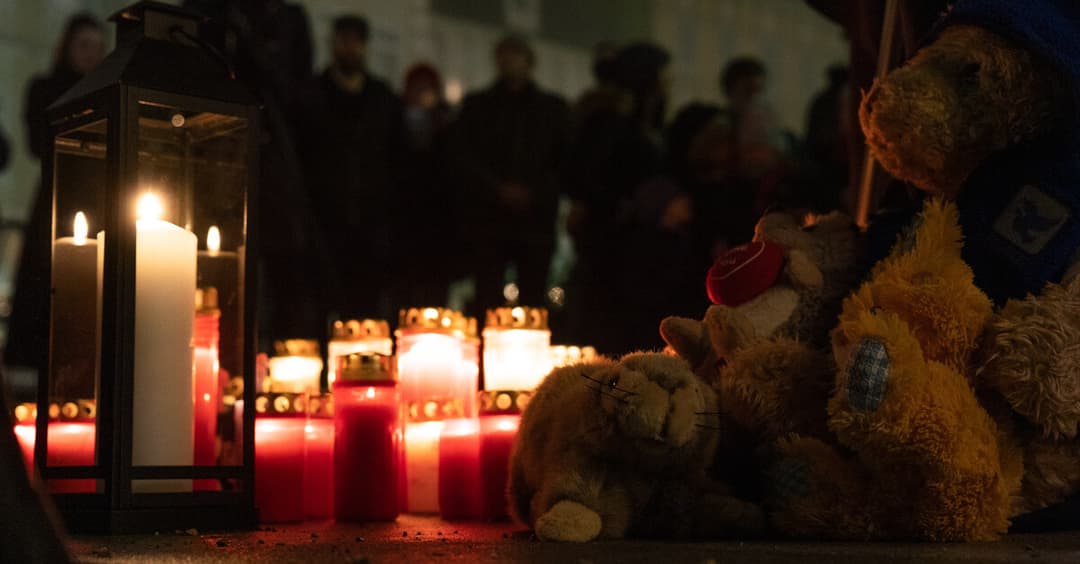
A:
(1031, 219)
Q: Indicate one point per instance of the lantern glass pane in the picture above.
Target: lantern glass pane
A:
(80, 157)
(190, 242)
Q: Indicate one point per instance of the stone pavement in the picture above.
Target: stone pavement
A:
(428, 539)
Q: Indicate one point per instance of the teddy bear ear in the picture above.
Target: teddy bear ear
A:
(803, 271)
(687, 337)
(728, 329)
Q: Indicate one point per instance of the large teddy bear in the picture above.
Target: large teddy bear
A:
(888, 438)
(988, 114)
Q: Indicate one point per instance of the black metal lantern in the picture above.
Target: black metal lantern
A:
(153, 170)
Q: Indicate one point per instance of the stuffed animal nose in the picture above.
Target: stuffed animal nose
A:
(682, 419)
(645, 414)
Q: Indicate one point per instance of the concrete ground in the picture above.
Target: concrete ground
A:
(428, 539)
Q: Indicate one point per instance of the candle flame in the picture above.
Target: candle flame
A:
(81, 228)
(213, 239)
(149, 207)
(206, 398)
(371, 393)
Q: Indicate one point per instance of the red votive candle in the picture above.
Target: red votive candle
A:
(459, 470)
(71, 441)
(497, 434)
(367, 439)
(280, 421)
(206, 336)
(319, 458)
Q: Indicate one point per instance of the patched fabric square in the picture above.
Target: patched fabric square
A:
(1031, 220)
(790, 478)
(868, 373)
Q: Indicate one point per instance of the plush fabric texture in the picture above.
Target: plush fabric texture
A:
(933, 418)
(988, 112)
(1031, 357)
(614, 449)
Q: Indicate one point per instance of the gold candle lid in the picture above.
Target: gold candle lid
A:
(518, 317)
(357, 329)
(321, 405)
(366, 367)
(297, 347)
(206, 300)
(59, 410)
(281, 404)
(504, 402)
(431, 319)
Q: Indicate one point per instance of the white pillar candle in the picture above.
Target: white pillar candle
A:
(163, 410)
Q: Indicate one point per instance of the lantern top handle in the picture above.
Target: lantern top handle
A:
(153, 20)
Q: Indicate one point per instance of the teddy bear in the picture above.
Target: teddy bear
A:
(958, 418)
(987, 114)
(789, 280)
(609, 449)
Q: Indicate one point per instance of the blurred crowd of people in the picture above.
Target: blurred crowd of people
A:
(374, 199)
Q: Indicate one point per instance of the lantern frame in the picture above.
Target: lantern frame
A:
(129, 78)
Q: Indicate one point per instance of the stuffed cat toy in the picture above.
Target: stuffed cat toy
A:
(613, 449)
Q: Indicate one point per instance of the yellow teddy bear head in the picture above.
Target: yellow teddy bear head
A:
(926, 285)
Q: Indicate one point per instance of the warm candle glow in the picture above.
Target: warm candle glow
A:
(371, 393)
(80, 228)
(149, 207)
(213, 240)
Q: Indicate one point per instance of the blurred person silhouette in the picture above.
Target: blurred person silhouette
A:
(424, 229)
(624, 211)
(5, 150)
(268, 43)
(510, 141)
(80, 50)
(604, 92)
(348, 126)
(826, 136)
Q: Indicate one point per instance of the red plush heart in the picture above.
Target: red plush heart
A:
(742, 273)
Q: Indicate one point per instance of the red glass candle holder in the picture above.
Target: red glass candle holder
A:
(319, 458)
(280, 421)
(367, 439)
(497, 433)
(207, 383)
(459, 470)
(71, 440)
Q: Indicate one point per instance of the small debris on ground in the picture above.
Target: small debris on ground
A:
(222, 543)
(404, 533)
(314, 535)
(359, 539)
(101, 552)
(260, 541)
(192, 532)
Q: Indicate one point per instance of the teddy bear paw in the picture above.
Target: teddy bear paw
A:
(568, 521)
(868, 375)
